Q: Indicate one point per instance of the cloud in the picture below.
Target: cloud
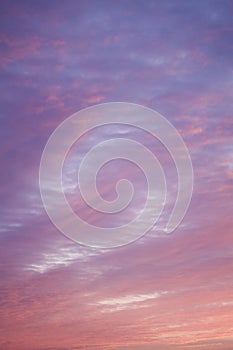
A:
(162, 292)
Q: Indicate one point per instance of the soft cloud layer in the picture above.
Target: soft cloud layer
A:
(162, 292)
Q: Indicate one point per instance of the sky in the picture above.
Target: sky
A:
(162, 291)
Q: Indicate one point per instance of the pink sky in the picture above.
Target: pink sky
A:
(161, 292)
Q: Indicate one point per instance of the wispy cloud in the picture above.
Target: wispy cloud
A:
(162, 292)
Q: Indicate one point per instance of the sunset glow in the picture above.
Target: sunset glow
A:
(164, 291)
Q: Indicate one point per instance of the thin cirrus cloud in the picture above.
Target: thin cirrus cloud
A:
(163, 291)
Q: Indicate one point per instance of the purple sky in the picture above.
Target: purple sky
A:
(162, 292)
